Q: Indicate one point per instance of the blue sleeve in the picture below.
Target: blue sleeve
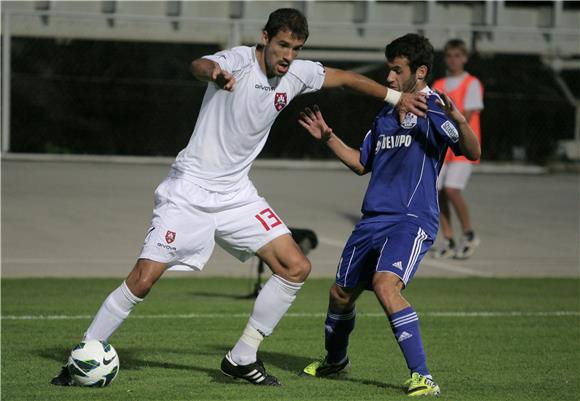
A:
(367, 154)
(443, 128)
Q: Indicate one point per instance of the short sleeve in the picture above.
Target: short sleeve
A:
(473, 96)
(367, 153)
(311, 74)
(230, 60)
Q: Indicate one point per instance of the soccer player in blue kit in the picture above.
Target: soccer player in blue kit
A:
(404, 154)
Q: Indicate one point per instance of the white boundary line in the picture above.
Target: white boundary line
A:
(486, 168)
(332, 242)
(456, 269)
(303, 315)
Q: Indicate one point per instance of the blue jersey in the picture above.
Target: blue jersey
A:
(404, 159)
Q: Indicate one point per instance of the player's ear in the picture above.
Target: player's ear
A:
(422, 72)
(264, 38)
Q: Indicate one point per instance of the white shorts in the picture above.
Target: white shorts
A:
(454, 175)
(188, 220)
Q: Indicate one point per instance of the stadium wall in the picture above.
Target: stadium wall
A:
(113, 77)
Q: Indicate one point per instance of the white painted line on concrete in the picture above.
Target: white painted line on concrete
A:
(53, 261)
(332, 242)
(456, 269)
(485, 168)
(426, 261)
(450, 314)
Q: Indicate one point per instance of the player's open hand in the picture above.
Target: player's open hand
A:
(415, 103)
(312, 120)
(223, 79)
(449, 107)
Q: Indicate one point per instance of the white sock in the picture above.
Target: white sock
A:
(112, 313)
(246, 349)
(272, 303)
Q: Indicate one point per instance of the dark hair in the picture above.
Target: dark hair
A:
(416, 48)
(456, 44)
(287, 19)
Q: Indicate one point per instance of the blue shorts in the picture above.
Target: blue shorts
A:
(382, 246)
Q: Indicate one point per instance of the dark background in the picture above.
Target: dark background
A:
(128, 98)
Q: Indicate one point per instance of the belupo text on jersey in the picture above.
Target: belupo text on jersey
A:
(392, 141)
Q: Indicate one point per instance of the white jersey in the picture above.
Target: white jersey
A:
(232, 127)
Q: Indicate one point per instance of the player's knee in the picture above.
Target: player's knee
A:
(299, 269)
(389, 291)
(339, 299)
(143, 277)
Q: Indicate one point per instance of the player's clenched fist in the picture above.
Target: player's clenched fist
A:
(222, 78)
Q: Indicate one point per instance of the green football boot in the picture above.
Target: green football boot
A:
(324, 369)
(420, 385)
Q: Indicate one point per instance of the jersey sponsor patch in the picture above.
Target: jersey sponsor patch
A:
(393, 141)
(280, 100)
(409, 121)
(450, 130)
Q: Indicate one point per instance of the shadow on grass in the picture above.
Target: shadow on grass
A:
(295, 363)
(376, 383)
(131, 359)
(220, 295)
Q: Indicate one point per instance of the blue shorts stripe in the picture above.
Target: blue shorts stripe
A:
(416, 251)
(381, 254)
(382, 246)
(349, 263)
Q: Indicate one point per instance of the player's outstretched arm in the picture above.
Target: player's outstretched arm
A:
(207, 70)
(467, 139)
(312, 120)
(405, 102)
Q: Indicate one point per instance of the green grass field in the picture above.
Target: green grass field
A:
(486, 339)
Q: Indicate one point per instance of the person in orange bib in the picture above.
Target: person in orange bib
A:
(466, 91)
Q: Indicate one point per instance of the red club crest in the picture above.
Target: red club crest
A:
(169, 237)
(280, 100)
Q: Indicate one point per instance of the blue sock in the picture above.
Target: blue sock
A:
(337, 328)
(405, 325)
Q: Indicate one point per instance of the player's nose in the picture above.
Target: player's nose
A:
(289, 55)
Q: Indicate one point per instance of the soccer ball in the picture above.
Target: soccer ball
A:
(93, 363)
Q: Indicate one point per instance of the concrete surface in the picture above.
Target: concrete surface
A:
(79, 219)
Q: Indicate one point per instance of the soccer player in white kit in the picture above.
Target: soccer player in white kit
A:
(207, 196)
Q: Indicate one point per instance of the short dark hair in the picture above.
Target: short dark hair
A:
(416, 48)
(456, 44)
(287, 19)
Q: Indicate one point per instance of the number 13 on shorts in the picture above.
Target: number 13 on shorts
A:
(268, 219)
